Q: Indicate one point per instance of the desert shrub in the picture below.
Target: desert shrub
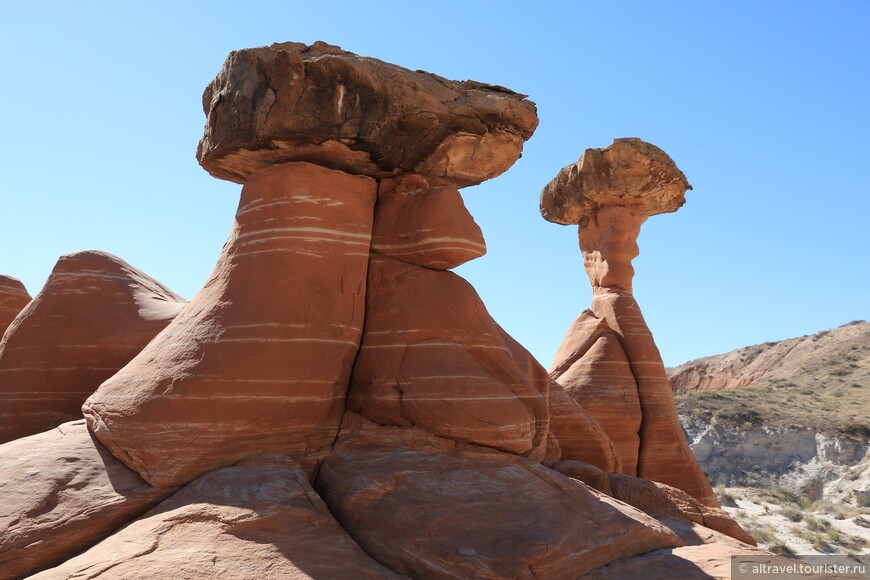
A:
(855, 428)
(793, 514)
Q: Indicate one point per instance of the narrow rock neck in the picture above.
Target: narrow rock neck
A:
(608, 241)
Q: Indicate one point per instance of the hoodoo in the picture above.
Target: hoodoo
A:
(609, 362)
(335, 402)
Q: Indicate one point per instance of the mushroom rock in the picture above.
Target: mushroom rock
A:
(324, 105)
(257, 519)
(62, 493)
(431, 356)
(13, 299)
(472, 513)
(425, 226)
(94, 314)
(260, 358)
(609, 356)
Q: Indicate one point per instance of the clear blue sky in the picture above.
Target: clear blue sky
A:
(763, 105)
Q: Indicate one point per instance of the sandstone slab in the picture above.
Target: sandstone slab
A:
(475, 514)
(13, 298)
(425, 226)
(62, 493)
(260, 359)
(324, 105)
(94, 314)
(259, 519)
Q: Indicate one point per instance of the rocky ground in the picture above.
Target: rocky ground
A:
(782, 431)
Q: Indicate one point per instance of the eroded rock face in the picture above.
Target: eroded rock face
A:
(94, 314)
(13, 298)
(260, 358)
(62, 493)
(432, 356)
(324, 105)
(259, 519)
(474, 514)
(424, 226)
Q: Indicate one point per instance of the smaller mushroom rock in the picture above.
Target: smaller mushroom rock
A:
(94, 314)
(423, 226)
(324, 105)
(13, 299)
(629, 173)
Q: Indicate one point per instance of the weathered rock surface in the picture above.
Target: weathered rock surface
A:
(597, 375)
(628, 173)
(62, 493)
(707, 554)
(424, 226)
(259, 519)
(469, 513)
(324, 105)
(431, 356)
(13, 298)
(94, 314)
(655, 499)
(260, 359)
(609, 361)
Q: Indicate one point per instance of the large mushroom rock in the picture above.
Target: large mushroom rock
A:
(469, 513)
(13, 298)
(324, 105)
(62, 493)
(425, 226)
(609, 193)
(94, 314)
(258, 519)
(260, 358)
(431, 356)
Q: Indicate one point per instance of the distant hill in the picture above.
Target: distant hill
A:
(820, 381)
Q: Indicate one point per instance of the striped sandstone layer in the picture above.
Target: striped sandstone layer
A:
(258, 519)
(94, 314)
(468, 512)
(609, 361)
(324, 105)
(424, 226)
(261, 357)
(62, 493)
(13, 298)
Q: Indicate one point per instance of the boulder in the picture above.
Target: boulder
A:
(470, 513)
(13, 298)
(94, 314)
(62, 493)
(260, 359)
(425, 226)
(259, 519)
(324, 105)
